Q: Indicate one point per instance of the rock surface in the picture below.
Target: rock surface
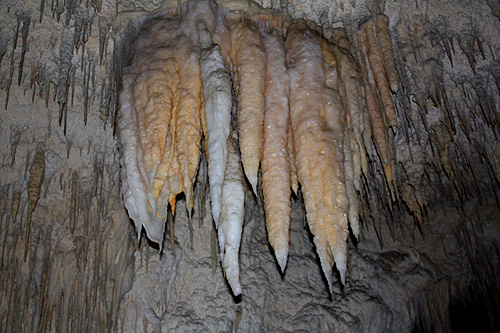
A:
(426, 260)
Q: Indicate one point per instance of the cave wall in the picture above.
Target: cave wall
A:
(427, 256)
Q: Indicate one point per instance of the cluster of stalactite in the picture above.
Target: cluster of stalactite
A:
(72, 269)
(59, 271)
(305, 113)
(85, 73)
(447, 133)
(52, 273)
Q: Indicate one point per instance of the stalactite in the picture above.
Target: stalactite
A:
(37, 174)
(14, 206)
(73, 200)
(380, 66)
(342, 79)
(32, 80)
(11, 72)
(15, 136)
(179, 125)
(232, 215)
(291, 157)
(127, 126)
(317, 157)
(351, 81)
(65, 65)
(26, 19)
(377, 93)
(79, 22)
(42, 7)
(103, 36)
(218, 102)
(466, 43)
(3, 48)
(87, 73)
(276, 170)
(188, 120)
(327, 145)
(248, 58)
(442, 146)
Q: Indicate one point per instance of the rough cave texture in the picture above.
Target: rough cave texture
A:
(426, 259)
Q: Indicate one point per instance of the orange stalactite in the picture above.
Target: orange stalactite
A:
(188, 122)
(275, 160)
(384, 39)
(376, 62)
(300, 114)
(249, 63)
(317, 149)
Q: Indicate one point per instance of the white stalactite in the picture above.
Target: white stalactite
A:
(218, 102)
(233, 211)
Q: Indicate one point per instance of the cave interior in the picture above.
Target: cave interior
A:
(408, 105)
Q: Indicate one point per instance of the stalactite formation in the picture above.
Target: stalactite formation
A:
(248, 63)
(296, 95)
(232, 216)
(364, 145)
(276, 164)
(381, 76)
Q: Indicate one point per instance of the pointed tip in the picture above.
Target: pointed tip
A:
(281, 254)
(139, 232)
(236, 288)
(216, 217)
(252, 179)
(254, 187)
(216, 200)
(355, 230)
(189, 214)
(342, 270)
(395, 85)
(222, 242)
(329, 281)
(231, 269)
(282, 264)
(327, 270)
